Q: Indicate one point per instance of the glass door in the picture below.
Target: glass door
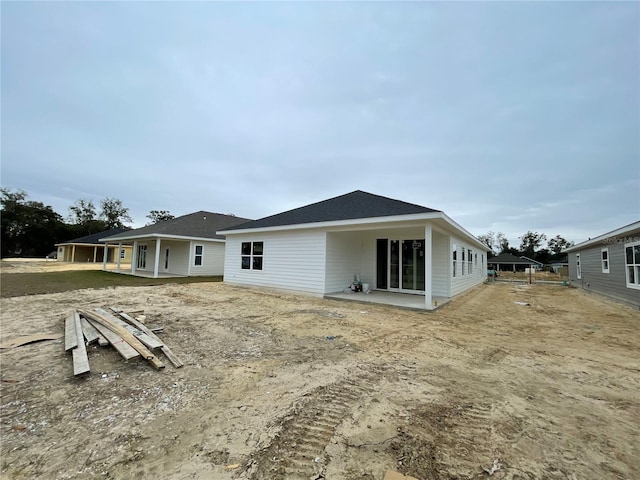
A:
(401, 267)
(142, 257)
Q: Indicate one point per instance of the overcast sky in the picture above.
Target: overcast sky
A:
(508, 116)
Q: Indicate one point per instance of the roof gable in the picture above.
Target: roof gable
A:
(200, 224)
(350, 206)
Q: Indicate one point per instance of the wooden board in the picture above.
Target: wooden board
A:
(123, 348)
(70, 336)
(27, 339)
(80, 359)
(166, 350)
(125, 334)
(145, 339)
(90, 333)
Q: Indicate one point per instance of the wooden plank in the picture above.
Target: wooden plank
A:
(126, 335)
(80, 359)
(90, 333)
(166, 350)
(123, 348)
(145, 339)
(70, 336)
(27, 339)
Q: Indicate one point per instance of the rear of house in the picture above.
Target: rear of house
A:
(390, 245)
(609, 264)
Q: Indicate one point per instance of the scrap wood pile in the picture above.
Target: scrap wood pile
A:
(128, 335)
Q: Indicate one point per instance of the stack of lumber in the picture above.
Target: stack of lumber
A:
(130, 337)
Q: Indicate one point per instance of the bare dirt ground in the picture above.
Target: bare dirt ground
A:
(35, 265)
(282, 386)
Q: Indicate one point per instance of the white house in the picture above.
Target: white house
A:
(393, 246)
(184, 246)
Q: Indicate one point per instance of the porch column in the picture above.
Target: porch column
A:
(104, 256)
(134, 257)
(156, 260)
(73, 253)
(95, 254)
(428, 263)
(118, 254)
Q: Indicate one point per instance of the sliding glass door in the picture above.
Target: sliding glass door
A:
(401, 265)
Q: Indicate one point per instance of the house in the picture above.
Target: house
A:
(183, 246)
(507, 262)
(393, 247)
(537, 266)
(609, 264)
(560, 266)
(91, 249)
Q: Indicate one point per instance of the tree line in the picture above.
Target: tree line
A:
(532, 245)
(31, 229)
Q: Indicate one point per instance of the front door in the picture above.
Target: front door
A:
(404, 265)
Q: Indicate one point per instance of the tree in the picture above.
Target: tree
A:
(557, 244)
(159, 216)
(113, 213)
(82, 212)
(502, 242)
(489, 239)
(28, 229)
(530, 242)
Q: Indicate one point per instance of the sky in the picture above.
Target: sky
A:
(508, 116)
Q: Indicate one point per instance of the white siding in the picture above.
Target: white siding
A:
(178, 257)
(461, 282)
(212, 259)
(440, 269)
(291, 261)
(349, 254)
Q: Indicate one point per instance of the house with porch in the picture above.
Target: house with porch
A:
(398, 249)
(91, 249)
(183, 246)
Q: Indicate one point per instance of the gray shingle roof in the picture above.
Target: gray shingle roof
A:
(350, 206)
(95, 238)
(198, 224)
(508, 258)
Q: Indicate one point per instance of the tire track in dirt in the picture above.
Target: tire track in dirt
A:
(298, 450)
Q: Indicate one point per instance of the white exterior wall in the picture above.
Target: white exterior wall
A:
(461, 282)
(440, 264)
(178, 257)
(291, 261)
(212, 258)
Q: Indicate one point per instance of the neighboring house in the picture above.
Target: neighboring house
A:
(184, 246)
(609, 264)
(391, 245)
(91, 249)
(560, 266)
(507, 262)
(538, 266)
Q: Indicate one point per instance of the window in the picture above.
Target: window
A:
(469, 262)
(198, 254)
(604, 256)
(122, 252)
(142, 257)
(462, 260)
(455, 258)
(578, 267)
(632, 264)
(252, 255)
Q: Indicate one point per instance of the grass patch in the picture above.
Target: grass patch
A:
(19, 284)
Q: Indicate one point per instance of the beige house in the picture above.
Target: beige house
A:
(90, 249)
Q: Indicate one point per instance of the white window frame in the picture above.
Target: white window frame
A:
(454, 259)
(197, 255)
(635, 258)
(604, 261)
(463, 261)
(470, 261)
(255, 260)
(578, 267)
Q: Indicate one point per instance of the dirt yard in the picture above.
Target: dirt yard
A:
(280, 386)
